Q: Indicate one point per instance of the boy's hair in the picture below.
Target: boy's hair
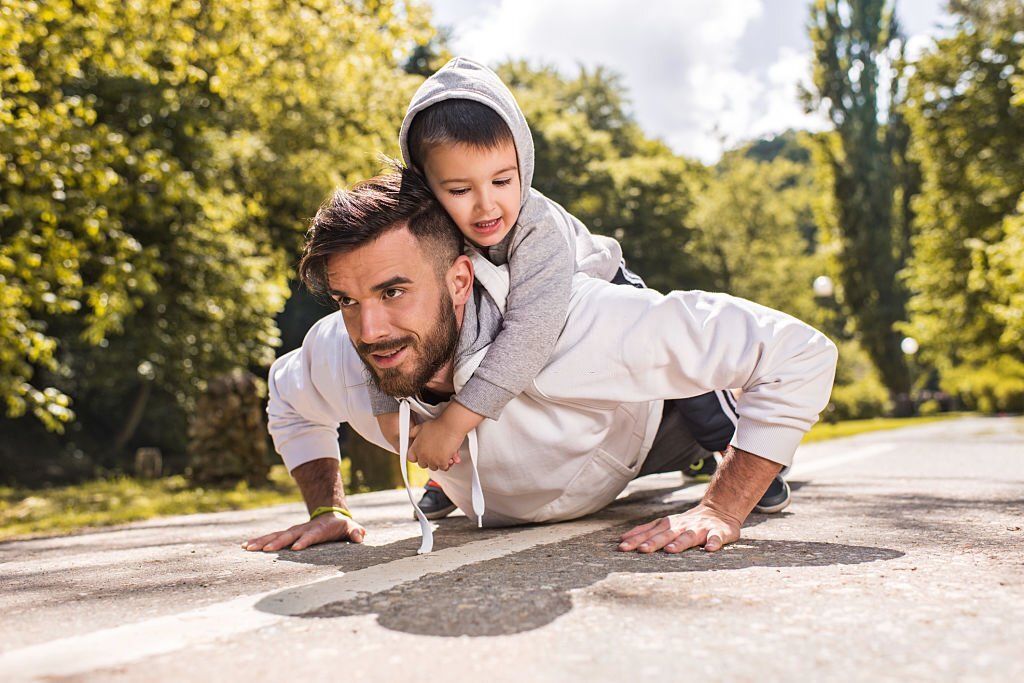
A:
(350, 219)
(462, 122)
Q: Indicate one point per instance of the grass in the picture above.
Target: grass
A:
(105, 502)
(26, 513)
(823, 430)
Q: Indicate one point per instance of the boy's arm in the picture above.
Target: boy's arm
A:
(541, 265)
(380, 402)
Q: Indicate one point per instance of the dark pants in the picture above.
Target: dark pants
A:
(675, 447)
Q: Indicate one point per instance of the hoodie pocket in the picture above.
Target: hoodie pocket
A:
(594, 486)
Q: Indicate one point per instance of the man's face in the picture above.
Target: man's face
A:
(479, 188)
(397, 310)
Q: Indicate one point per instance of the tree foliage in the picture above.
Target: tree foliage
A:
(159, 160)
(857, 46)
(966, 112)
(755, 232)
(595, 160)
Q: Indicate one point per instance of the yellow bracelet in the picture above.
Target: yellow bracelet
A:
(323, 510)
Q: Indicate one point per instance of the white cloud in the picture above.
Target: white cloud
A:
(677, 59)
(680, 61)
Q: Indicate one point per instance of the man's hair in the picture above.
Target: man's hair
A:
(458, 122)
(353, 218)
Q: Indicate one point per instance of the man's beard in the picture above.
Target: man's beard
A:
(429, 354)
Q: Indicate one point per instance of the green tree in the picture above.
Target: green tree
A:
(752, 232)
(159, 161)
(595, 160)
(966, 112)
(857, 44)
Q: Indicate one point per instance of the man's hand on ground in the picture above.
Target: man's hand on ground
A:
(323, 529)
(700, 526)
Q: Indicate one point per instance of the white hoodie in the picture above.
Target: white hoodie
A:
(570, 443)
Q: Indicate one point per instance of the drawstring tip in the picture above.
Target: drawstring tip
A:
(480, 522)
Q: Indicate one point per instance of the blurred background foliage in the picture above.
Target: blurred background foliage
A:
(159, 162)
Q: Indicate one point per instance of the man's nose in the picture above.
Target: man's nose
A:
(373, 324)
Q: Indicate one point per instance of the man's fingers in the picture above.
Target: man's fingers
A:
(686, 540)
(643, 535)
(261, 542)
(283, 541)
(640, 529)
(713, 543)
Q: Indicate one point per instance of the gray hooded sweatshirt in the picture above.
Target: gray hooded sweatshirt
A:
(543, 251)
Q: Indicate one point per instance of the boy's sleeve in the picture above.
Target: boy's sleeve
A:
(541, 265)
(380, 402)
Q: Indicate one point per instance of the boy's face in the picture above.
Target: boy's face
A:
(479, 188)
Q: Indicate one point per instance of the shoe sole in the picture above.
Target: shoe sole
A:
(778, 507)
(439, 514)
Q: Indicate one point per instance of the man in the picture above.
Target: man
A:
(598, 415)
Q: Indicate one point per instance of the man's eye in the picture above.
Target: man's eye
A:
(345, 302)
(393, 293)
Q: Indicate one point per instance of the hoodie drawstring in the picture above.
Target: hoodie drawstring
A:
(404, 424)
(404, 419)
(478, 492)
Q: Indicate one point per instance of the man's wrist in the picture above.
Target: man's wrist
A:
(741, 480)
(328, 509)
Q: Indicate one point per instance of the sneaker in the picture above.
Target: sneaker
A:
(701, 470)
(434, 503)
(776, 498)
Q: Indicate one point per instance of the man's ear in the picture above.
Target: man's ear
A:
(459, 280)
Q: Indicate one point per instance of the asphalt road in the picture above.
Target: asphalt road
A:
(901, 558)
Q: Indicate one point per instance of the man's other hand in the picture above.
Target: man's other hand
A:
(323, 529)
(700, 526)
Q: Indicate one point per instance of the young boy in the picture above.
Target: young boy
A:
(465, 133)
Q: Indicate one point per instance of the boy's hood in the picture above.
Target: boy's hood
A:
(464, 79)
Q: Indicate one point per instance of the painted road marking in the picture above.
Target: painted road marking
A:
(125, 644)
(801, 469)
(133, 642)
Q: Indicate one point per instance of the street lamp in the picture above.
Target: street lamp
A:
(909, 346)
(822, 286)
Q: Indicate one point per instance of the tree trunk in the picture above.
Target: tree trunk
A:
(134, 417)
(373, 468)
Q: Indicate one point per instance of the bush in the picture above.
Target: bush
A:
(858, 393)
(857, 401)
(929, 407)
(997, 386)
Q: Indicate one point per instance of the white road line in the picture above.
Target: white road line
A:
(801, 469)
(125, 644)
(130, 643)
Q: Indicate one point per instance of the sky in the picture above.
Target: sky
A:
(702, 76)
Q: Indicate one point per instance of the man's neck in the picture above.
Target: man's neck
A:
(442, 383)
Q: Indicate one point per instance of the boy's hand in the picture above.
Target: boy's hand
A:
(437, 443)
(388, 423)
(435, 446)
